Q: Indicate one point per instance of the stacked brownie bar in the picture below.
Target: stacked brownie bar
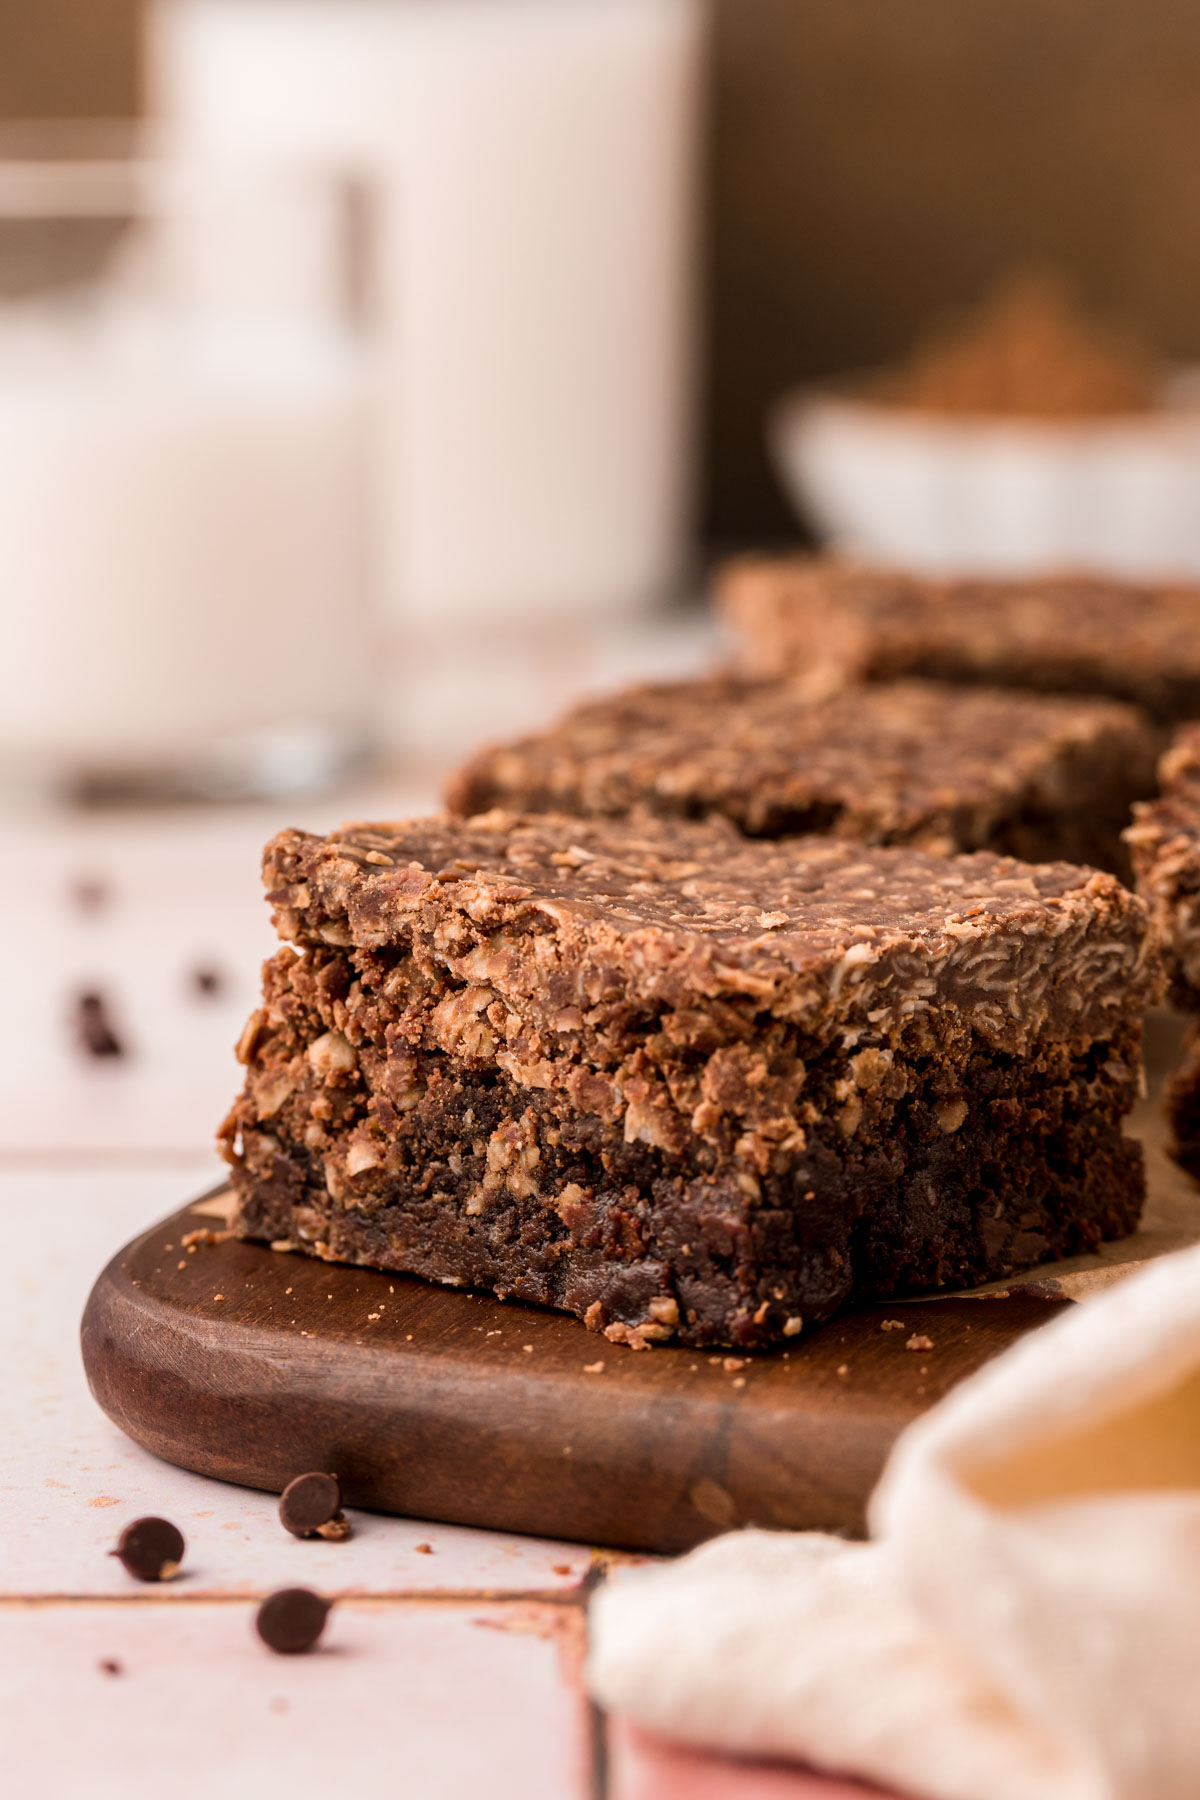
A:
(825, 622)
(682, 1084)
(909, 762)
(1164, 840)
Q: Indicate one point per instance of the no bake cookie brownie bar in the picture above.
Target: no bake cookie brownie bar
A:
(1164, 841)
(909, 762)
(682, 1084)
(825, 622)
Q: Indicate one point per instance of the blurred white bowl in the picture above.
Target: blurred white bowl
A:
(974, 495)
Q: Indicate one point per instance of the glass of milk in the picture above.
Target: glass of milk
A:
(534, 169)
(185, 603)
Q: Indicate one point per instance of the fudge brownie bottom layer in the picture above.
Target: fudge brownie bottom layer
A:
(489, 1184)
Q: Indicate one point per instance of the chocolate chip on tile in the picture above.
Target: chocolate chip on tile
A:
(311, 1506)
(94, 1028)
(90, 893)
(150, 1549)
(291, 1620)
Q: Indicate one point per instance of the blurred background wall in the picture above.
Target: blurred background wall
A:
(870, 163)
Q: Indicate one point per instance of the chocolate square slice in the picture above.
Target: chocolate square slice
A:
(825, 622)
(1164, 841)
(685, 1085)
(911, 762)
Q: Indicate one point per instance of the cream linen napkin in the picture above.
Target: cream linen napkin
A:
(1025, 1624)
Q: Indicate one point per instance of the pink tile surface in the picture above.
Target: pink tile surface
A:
(69, 1479)
(420, 1700)
(642, 1767)
(177, 894)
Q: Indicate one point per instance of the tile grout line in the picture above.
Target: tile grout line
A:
(29, 1159)
(595, 1578)
(568, 1600)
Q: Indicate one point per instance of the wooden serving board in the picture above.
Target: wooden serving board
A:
(239, 1362)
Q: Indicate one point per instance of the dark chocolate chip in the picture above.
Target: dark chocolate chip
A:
(151, 1549)
(312, 1504)
(291, 1620)
(90, 893)
(95, 1028)
(109, 1665)
(207, 981)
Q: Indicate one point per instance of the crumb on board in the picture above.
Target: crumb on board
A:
(739, 1381)
(892, 1325)
(596, 1368)
(843, 1368)
(919, 1341)
(729, 1363)
(205, 1236)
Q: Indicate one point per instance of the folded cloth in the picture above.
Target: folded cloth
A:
(1025, 1624)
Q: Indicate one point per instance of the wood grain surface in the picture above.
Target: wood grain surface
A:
(235, 1361)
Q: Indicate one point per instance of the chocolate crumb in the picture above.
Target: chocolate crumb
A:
(919, 1342)
(207, 981)
(109, 1665)
(94, 1028)
(423, 1549)
(311, 1506)
(150, 1549)
(291, 1620)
